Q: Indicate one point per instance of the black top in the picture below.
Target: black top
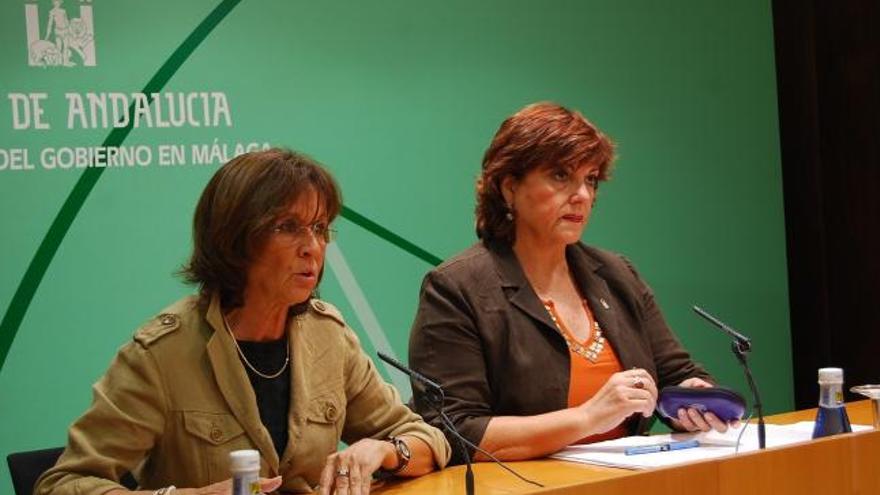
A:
(273, 394)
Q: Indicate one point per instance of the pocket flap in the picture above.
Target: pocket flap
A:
(325, 409)
(215, 428)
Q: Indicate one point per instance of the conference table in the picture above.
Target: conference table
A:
(843, 464)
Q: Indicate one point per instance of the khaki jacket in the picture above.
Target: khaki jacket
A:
(176, 400)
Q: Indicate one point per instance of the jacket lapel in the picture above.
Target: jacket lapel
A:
(518, 289)
(605, 308)
(585, 271)
(235, 386)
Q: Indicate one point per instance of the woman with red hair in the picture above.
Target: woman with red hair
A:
(539, 340)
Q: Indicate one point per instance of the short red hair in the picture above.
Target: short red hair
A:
(541, 134)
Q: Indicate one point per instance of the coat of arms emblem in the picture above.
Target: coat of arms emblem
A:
(61, 40)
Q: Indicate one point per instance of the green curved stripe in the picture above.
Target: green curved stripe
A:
(86, 182)
(389, 236)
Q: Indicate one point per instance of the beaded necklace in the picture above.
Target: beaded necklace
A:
(596, 344)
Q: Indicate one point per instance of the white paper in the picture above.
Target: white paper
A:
(712, 444)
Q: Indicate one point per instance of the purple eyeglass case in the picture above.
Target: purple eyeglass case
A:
(725, 403)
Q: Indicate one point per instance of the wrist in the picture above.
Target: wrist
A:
(584, 418)
(400, 456)
(389, 459)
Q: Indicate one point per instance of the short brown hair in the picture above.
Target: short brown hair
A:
(237, 210)
(541, 134)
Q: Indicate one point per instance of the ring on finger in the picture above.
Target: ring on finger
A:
(638, 382)
(343, 471)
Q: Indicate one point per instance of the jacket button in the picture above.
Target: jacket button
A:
(167, 319)
(216, 434)
(330, 412)
(320, 306)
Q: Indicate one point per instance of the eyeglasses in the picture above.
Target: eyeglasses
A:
(297, 232)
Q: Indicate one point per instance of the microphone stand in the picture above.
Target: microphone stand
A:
(469, 472)
(434, 397)
(741, 346)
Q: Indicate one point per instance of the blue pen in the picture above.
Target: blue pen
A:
(662, 447)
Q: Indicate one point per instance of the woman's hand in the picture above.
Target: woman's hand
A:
(624, 394)
(691, 419)
(350, 471)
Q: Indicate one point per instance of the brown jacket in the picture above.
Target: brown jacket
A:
(176, 400)
(483, 334)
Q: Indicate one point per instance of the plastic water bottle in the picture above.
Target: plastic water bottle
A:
(831, 417)
(245, 467)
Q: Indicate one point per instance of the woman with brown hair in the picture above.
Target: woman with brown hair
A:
(255, 361)
(539, 340)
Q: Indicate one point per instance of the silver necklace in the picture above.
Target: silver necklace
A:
(245, 359)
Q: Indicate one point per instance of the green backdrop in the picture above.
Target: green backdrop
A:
(399, 99)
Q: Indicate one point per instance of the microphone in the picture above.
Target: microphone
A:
(741, 339)
(435, 397)
(741, 346)
(433, 391)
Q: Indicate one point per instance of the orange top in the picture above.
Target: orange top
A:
(587, 377)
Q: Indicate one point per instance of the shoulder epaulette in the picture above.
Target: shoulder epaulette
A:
(327, 309)
(158, 327)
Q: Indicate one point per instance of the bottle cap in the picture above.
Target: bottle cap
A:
(830, 375)
(244, 460)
